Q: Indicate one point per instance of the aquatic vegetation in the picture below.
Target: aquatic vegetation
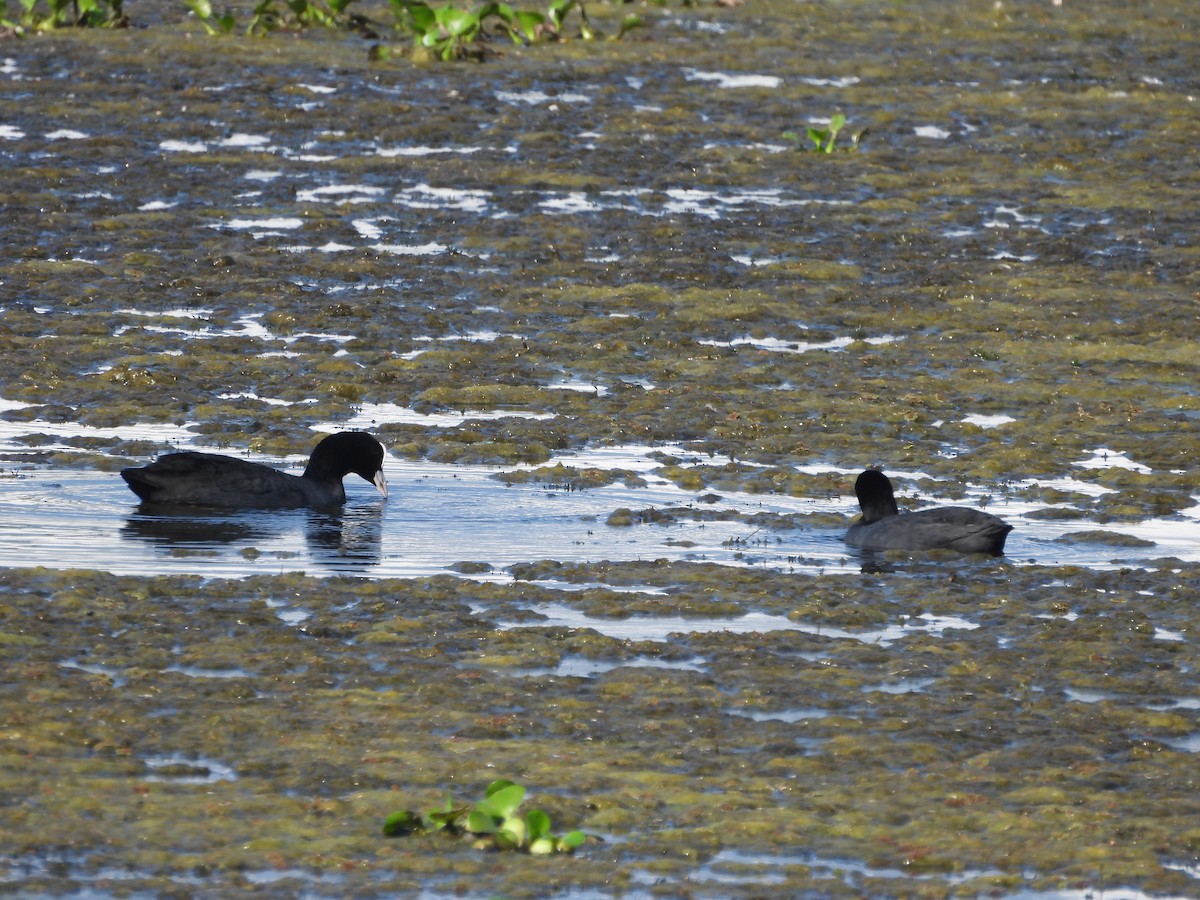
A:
(446, 32)
(823, 140)
(493, 822)
(450, 32)
(44, 15)
(279, 15)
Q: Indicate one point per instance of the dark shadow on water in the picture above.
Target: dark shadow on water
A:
(193, 527)
(351, 536)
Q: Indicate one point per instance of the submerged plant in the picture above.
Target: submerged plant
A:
(495, 822)
(824, 139)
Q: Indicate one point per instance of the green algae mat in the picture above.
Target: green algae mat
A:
(588, 244)
(177, 734)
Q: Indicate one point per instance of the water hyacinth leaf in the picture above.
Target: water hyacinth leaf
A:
(571, 840)
(515, 826)
(202, 8)
(506, 840)
(502, 803)
(558, 12)
(421, 17)
(543, 846)
(530, 23)
(539, 824)
(497, 786)
(481, 823)
(457, 22)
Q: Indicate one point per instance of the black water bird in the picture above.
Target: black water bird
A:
(209, 479)
(884, 527)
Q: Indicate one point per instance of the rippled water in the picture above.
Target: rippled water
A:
(441, 515)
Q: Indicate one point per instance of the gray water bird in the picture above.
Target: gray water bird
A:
(884, 527)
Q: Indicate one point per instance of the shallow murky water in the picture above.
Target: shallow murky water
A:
(439, 516)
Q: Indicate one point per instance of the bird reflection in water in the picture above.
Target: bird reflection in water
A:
(348, 537)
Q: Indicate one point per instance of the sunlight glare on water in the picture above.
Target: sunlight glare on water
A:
(441, 515)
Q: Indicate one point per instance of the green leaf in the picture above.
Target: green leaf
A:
(507, 840)
(571, 840)
(817, 136)
(503, 802)
(459, 22)
(497, 786)
(202, 8)
(515, 825)
(481, 823)
(530, 22)
(421, 17)
(539, 824)
(558, 11)
(543, 846)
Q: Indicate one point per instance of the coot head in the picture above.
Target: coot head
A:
(346, 452)
(875, 496)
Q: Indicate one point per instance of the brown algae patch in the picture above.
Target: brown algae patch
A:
(387, 694)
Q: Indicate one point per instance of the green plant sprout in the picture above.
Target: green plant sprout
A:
(494, 822)
(824, 139)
